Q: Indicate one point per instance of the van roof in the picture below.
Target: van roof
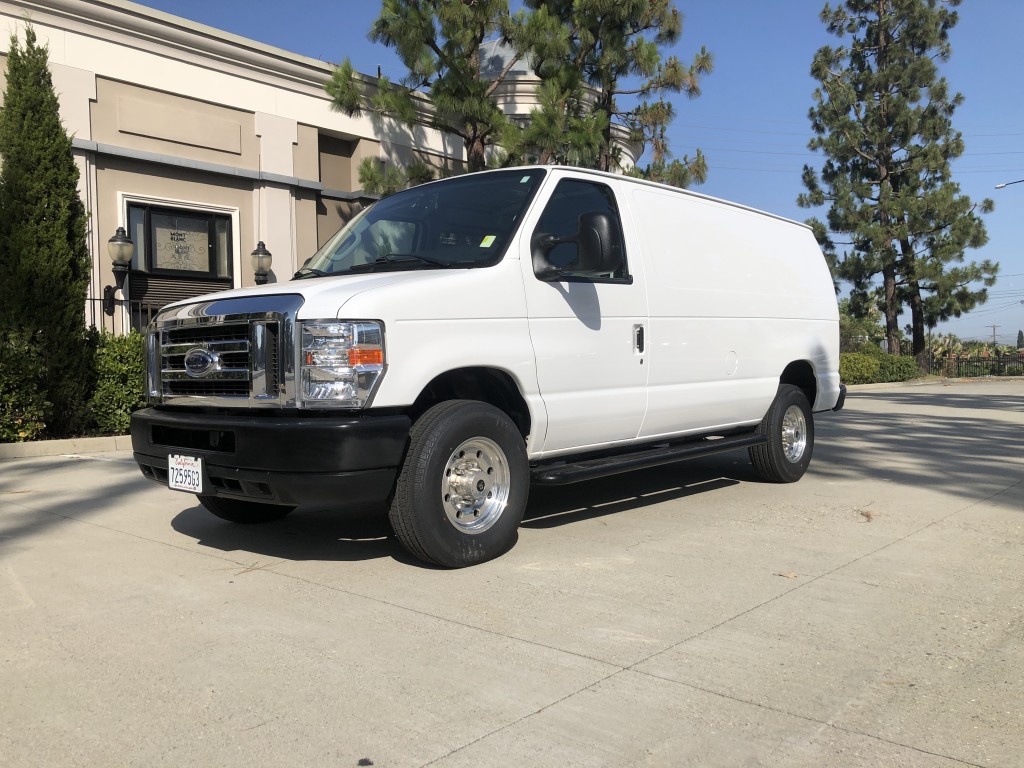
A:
(657, 185)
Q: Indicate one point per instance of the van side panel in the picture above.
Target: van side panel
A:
(734, 297)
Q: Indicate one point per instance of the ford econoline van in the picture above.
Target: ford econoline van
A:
(459, 341)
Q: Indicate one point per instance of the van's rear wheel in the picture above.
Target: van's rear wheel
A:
(789, 427)
(242, 511)
(462, 489)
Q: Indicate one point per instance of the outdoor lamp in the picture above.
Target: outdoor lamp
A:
(120, 249)
(261, 260)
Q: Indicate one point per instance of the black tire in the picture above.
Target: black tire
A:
(789, 427)
(462, 489)
(242, 511)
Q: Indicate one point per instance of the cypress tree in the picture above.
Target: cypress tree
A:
(44, 260)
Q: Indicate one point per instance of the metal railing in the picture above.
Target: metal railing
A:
(961, 367)
(127, 315)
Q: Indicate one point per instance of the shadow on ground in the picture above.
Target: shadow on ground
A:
(974, 449)
(364, 533)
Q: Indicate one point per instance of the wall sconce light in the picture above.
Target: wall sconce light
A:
(261, 260)
(120, 249)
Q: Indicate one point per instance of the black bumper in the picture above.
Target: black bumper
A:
(277, 459)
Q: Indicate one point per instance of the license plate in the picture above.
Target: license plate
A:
(185, 473)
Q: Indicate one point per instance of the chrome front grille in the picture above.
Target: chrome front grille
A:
(226, 352)
(231, 343)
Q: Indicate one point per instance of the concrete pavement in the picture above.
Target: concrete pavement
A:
(869, 615)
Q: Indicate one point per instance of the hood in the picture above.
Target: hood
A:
(325, 296)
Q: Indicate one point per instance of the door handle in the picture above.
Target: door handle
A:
(638, 338)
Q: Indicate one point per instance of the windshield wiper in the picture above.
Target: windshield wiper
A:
(306, 272)
(392, 258)
(391, 261)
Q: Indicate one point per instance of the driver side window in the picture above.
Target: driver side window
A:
(571, 199)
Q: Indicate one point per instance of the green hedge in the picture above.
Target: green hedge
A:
(24, 408)
(120, 378)
(875, 368)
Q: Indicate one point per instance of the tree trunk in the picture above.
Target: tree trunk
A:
(892, 311)
(476, 158)
(919, 347)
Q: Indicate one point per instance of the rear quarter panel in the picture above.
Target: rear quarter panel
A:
(735, 295)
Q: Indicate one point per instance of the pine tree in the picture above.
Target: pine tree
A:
(883, 119)
(610, 79)
(1020, 339)
(440, 43)
(44, 259)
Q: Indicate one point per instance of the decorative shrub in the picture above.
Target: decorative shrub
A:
(23, 405)
(860, 368)
(857, 368)
(871, 350)
(897, 368)
(120, 370)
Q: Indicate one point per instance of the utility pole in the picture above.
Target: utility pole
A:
(993, 327)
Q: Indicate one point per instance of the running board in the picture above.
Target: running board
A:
(575, 472)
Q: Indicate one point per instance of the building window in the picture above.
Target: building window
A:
(174, 242)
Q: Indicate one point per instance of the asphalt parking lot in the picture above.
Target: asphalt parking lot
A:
(870, 615)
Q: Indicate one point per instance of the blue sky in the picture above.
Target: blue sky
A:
(751, 119)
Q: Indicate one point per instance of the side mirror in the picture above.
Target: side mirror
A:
(598, 249)
(600, 245)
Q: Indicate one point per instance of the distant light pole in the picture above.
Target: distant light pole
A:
(1008, 183)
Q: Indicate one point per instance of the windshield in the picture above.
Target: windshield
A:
(457, 223)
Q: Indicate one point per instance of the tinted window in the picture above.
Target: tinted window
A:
(561, 216)
(462, 222)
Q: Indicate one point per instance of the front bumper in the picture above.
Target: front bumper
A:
(277, 459)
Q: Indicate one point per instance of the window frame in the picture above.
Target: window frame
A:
(143, 260)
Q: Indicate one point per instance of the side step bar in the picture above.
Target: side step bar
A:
(575, 472)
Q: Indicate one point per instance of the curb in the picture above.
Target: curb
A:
(63, 447)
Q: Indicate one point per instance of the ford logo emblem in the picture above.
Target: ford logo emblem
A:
(199, 362)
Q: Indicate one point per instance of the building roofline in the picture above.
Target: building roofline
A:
(131, 21)
(140, 26)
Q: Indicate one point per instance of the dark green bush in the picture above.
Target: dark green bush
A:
(120, 370)
(897, 368)
(872, 350)
(23, 405)
(856, 368)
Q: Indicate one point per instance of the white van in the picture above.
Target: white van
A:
(458, 341)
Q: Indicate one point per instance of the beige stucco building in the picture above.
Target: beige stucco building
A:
(201, 143)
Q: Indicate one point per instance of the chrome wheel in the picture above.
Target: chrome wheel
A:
(794, 434)
(475, 486)
(788, 432)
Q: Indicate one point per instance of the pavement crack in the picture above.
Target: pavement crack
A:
(806, 718)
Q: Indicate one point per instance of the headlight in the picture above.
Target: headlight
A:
(153, 374)
(341, 362)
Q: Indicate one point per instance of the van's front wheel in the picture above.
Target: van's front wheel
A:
(462, 489)
(789, 427)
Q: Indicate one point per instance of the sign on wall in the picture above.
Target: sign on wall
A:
(181, 243)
